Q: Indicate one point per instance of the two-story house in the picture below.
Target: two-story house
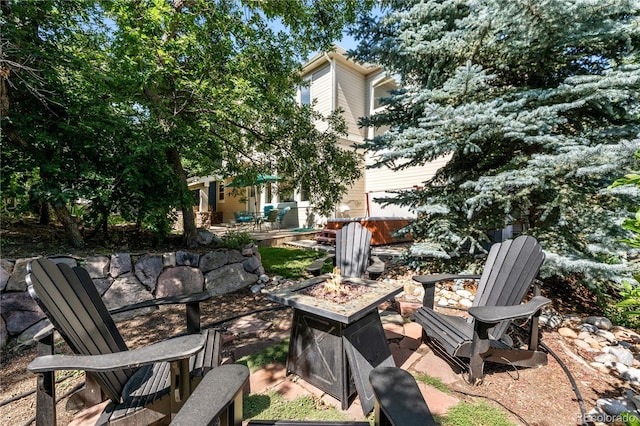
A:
(337, 82)
(334, 82)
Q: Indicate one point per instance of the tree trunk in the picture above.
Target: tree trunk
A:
(45, 215)
(69, 224)
(188, 218)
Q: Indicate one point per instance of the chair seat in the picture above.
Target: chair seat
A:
(150, 384)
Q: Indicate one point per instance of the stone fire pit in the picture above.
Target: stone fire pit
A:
(333, 345)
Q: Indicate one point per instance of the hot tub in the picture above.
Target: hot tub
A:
(382, 229)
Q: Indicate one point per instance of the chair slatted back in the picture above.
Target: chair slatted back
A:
(73, 305)
(273, 214)
(353, 247)
(510, 269)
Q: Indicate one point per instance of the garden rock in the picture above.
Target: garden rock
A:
(169, 260)
(205, 237)
(602, 323)
(615, 407)
(120, 264)
(179, 281)
(185, 258)
(19, 312)
(229, 278)
(5, 272)
(214, 260)
(235, 256)
(97, 266)
(127, 290)
(26, 337)
(4, 334)
(623, 355)
(102, 284)
(148, 269)
(252, 264)
(70, 261)
(17, 280)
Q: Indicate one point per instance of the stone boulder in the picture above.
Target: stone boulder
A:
(17, 280)
(214, 260)
(4, 334)
(179, 281)
(127, 290)
(66, 260)
(120, 264)
(5, 273)
(19, 312)
(97, 266)
(229, 278)
(103, 284)
(185, 258)
(205, 237)
(148, 269)
(26, 337)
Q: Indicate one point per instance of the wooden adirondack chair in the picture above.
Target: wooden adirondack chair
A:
(353, 254)
(509, 272)
(399, 402)
(144, 385)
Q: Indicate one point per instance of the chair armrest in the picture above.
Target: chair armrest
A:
(316, 267)
(494, 314)
(168, 350)
(376, 268)
(399, 401)
(218, 390)
(171, 300)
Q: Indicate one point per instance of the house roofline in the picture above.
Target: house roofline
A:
(340, 54)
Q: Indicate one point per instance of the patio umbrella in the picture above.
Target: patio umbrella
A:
(242, 182)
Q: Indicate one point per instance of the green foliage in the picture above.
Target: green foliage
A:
(630, 224)
(271, 355)
(630, 419)
(236, 240)
(535, 107)
(287, 262)
(108, 101)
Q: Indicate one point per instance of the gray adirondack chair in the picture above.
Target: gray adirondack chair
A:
(509, 272)
(352, 255)
(144, 385)
(398, 403)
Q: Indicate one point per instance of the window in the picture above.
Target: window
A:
(221, 192)
(305, 94)
(382, 90)
(304, 193)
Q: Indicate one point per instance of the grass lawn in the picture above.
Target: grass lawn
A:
(288, 262)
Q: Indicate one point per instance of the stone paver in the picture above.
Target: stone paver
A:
(439, 402)
(268, 377)
(435, 366)
(413, 330)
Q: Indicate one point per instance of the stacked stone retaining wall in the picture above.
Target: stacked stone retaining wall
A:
(125, 278)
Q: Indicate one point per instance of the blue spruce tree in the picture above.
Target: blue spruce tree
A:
(536, 105)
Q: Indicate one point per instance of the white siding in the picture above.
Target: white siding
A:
(321, 92)
(384, 179)
(351, 97)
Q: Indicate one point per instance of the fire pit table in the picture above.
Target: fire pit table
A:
(335, 345)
